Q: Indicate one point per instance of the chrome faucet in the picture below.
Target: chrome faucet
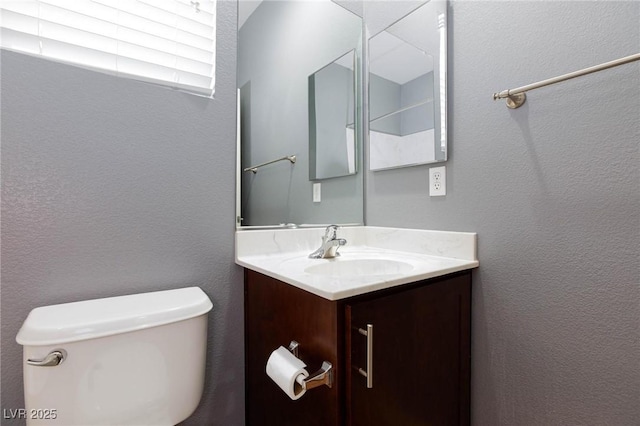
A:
(330, 244)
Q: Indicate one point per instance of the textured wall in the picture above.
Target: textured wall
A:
(111, 187)
(552, 190)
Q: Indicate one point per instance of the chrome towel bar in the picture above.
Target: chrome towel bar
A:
(516, 97)
(254, 169)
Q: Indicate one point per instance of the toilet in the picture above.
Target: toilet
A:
(129, 361)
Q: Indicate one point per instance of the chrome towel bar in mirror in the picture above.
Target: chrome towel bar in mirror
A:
(254, 169)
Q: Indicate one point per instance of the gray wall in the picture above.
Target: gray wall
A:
(552, 191)
(111, 187)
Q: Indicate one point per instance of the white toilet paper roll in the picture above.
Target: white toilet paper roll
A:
(287, 371)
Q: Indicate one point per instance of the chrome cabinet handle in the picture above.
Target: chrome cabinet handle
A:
(369, 372)
(51, 360)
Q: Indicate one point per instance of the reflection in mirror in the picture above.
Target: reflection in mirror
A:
(332, 143)
(280, 44)
(407, 90)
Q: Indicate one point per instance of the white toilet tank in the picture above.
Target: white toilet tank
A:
(128, 360)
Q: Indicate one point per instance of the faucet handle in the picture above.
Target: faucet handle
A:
(331, 232)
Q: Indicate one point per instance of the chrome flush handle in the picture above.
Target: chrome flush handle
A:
(51, 360)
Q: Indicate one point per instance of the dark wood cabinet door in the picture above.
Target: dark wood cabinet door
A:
(421, 356)
(275, 314)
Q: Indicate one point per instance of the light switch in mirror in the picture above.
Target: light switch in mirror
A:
(407, 90)
(332, 119)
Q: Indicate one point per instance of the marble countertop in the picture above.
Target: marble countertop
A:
(374, 258)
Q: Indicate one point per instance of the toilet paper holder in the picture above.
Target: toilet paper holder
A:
(324, 375)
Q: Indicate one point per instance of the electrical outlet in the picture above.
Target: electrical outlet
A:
(437, 181)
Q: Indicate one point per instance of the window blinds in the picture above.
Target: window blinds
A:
(171, 42)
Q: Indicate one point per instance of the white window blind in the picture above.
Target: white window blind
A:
(171, 42)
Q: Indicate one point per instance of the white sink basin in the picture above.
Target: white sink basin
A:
(342, 267)
(373, 259)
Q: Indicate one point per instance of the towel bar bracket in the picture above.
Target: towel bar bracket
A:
(516, 101)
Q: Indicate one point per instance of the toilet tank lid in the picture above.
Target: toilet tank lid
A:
(90, 319)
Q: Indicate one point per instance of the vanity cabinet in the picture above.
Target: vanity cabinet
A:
(418, 339)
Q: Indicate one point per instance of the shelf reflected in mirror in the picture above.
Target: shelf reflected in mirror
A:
(407, 90)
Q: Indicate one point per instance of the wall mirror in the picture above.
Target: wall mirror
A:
(407, 90)
(280, 45)
(332, 119)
